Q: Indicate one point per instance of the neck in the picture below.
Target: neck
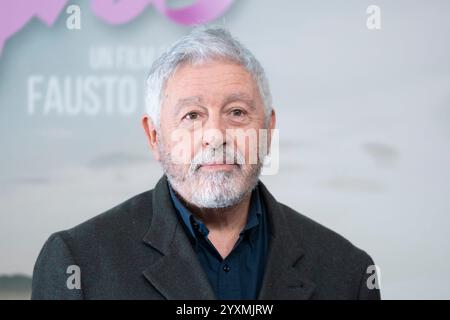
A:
(231, 218)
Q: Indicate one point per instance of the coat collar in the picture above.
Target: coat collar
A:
(178, 273)
(283, 277)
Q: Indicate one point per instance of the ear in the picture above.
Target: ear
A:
(150, 132)
(272, 123)
(273, 120)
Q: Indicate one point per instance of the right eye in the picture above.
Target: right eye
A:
(191, 116)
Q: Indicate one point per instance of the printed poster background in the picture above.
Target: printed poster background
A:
(364, 120)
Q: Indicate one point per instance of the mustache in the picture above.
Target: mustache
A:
(216, 155)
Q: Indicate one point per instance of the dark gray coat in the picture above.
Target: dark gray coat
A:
(139, 250)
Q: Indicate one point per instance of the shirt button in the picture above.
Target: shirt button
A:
(226, 268)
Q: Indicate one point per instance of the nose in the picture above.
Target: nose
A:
(214, 133)
(213, 138)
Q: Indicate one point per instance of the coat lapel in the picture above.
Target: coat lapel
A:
(178, 273)
(283, 278)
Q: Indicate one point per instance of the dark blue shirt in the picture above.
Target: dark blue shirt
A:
(240, 274)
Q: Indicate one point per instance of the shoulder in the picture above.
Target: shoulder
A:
(125, 217)
(322, 243)
(118, 227)
(93, 247)
(340, 269)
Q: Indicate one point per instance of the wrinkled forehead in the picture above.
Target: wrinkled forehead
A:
(211, 81)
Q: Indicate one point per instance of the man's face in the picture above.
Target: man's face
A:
(210, 120)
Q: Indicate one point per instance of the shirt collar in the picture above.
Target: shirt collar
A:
(190, 221)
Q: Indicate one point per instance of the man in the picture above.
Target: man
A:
(210, 229)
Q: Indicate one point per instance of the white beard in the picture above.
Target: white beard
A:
(219, 189)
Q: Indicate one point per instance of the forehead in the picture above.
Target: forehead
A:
(210, 79)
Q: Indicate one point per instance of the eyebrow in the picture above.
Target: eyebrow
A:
(239, 96)
(197, 100)
(194, 100)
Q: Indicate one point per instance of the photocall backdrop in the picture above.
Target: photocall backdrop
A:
(362, 95)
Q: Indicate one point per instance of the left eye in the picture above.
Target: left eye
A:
(237, 112)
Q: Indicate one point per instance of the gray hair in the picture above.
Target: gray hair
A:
(201, 45)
